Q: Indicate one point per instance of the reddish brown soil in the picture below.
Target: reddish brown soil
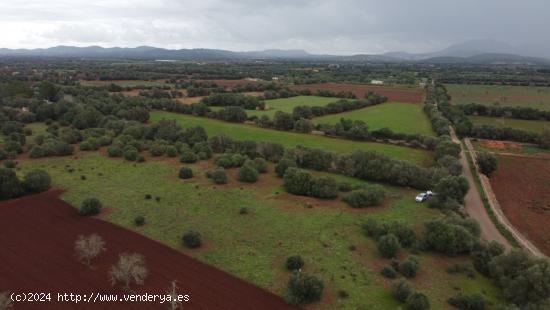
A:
(231, 83)
(38, 234)
(501, 145)
(399, 94)
(522, 187)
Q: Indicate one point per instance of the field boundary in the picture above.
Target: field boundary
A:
(497, 215)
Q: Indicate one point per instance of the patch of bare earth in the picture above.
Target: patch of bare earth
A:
(522, 187)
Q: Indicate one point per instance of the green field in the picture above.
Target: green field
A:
(287, 105)
(254, 246)
(399, 117)
(535, 126)
(506, 96)
(291, 139)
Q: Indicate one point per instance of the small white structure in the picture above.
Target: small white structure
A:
(377, 82)
(275, 78)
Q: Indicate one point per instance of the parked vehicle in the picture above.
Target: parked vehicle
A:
(422, 197)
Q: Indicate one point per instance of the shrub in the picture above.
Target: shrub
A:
(294, 262)
(304, 289)
(400, 290)
(37, 181)
(243, 210)
(418, 301)
(192, 239)
(324, 187)
(171, 151)
(449, 238)
(114, 151)
(130, 153)
(10, 164)
(388, 245)
(139, 220)
(366, 197)
(487, 163)
(90, 206)
(185, 173)
(217, 175)
(389, 272)
(247, 173)
(467, 302)
(282, 165)
(297, 181)
(148, 196)
(260, 164)
(10, 186)
(409, 267)
(452, 187)
(188, 157)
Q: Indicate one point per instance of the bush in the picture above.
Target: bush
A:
(297, 181)
(418, 301)
(90, 206)
(247, 173)
(400, 290)
(325, 188)
(366, 197)
(260, 164)
(10, 186)
(450, 238)
(139, 220)
(304, 289)
(409, 267)
(185, 173)
(388, 245)
(294, 262)
(217, 175)
(389, 272)
(171, 151)
(283, 165)
(10, 164)
(191, 239)
(37, 181)
(467, 302)
(114, 151)
(487, 163)
(188, 157)
(130, 153)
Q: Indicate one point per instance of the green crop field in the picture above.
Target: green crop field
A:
(287, 104)
(529, 125)
(254, 246)
(507, 96)
(399, 117)
(291, 139)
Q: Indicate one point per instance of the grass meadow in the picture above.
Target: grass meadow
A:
(399, 117)
(529, 125)
(291, 139)
(254, 246)
(524, 96)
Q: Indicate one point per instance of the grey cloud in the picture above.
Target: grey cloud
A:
(345, 26)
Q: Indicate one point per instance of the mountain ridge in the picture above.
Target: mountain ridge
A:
(475, 51)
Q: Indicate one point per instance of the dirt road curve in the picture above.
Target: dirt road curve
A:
(36, 255)
(474, 205)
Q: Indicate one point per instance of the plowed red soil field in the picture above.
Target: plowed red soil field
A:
(522, 187)
(398, 94)
(36, 255)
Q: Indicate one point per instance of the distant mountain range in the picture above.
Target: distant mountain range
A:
(471, 52)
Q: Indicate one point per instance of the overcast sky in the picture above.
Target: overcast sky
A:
(319, 26)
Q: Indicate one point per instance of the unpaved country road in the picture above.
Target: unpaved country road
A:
(474, 205)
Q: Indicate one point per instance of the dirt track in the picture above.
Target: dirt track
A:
(399, 94)
(36, 242)
(474, 205)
